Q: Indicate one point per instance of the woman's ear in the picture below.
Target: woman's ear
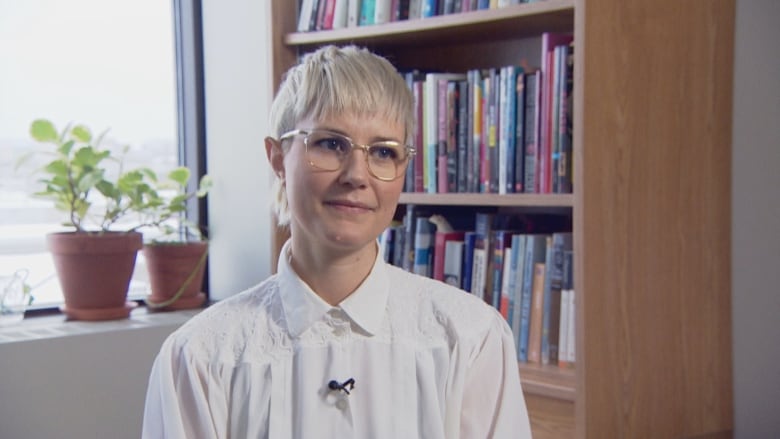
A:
(275, 153)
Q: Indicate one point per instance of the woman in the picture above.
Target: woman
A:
(338, 343)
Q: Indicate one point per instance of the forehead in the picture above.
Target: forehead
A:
(357, 126)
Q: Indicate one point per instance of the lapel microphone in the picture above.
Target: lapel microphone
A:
(345, 387)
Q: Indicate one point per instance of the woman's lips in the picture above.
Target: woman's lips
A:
(353, 206)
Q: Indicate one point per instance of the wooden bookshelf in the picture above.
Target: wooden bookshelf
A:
(651, 202)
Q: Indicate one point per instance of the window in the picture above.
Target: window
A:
(109, 65)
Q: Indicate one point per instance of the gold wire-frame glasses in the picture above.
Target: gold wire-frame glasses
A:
(328, 151)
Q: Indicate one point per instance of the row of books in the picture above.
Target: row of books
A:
(498, 130)
(520, 264)
(316, 15)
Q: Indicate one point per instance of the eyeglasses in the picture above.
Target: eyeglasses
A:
(329, 151)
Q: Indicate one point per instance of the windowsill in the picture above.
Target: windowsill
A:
(54, 326)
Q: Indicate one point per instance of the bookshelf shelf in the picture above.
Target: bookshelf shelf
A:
(650, 209)
(475, 199)
(510, 22)
(549, 381)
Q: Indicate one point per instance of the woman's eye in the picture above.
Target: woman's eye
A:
(333, 144)
(385, 152)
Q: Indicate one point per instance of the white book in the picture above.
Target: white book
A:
(572, 344)
(305, 14)
(415, 9)
(453, 262)
(478, 273)
(382, 10)
(340, 14)
(353, 13)
(563, 325)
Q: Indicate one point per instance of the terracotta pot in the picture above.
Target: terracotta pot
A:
(176, 273)
(94, 271)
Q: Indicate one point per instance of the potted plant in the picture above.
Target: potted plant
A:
(176, 255)
(94, 260)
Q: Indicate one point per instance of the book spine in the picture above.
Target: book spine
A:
(547, 304)
(441, 136)
(469, 241)
(533, 97)
(463, 143)
(452, 135)
(535, 325)
(518, 256)
(353, 13)
(367, 8)
(423, 247)
(565, 177)
(519, 135)
(453, 262)
(382, 11)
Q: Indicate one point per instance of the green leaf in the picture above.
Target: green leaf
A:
(205, 185)
(180, 175)
(43, 130)
(57, 167)
(81, 133)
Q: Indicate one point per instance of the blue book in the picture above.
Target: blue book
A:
(535, 247)
(546, 301)
(469, 239)
(423, 247)
(517, 256)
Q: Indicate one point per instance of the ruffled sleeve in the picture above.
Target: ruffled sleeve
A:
(493, 404)
(185, 398)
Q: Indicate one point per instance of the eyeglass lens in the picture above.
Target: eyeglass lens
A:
(328, 151)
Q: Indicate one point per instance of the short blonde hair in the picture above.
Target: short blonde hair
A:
(335, 80)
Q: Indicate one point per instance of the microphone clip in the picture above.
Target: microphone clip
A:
(345, 387)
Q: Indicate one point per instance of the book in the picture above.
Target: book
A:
(410, 225)
(506, 278)
(565, 139)
(483, 225)
(439, 251)
(534, 254)
(544, 157)
(547, 304)
(515, 284)
(305, 15)
(500, 240)
(519, 134)
(367, 8)
(551, 332)
(340, 14)
(469, 239)
(453, 262)
(431, 125)
(535, 318)
(531, 111)
(423, 246)
(353, 13)
(463, 137)
(566, 350)
(382, 11)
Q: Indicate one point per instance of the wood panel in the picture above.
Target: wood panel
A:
(551, 418)
(654, 352)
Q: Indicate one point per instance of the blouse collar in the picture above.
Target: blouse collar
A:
(302, 306)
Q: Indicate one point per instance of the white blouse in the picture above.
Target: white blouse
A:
(428, 361)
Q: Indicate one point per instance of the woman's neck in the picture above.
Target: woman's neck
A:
(332, 275)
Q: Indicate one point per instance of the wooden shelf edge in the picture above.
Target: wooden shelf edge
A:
(447, 22)
(475, 199)
(548, 381)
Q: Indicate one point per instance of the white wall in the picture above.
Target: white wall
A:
(238, 93)
(756, 220)
(89, 385)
